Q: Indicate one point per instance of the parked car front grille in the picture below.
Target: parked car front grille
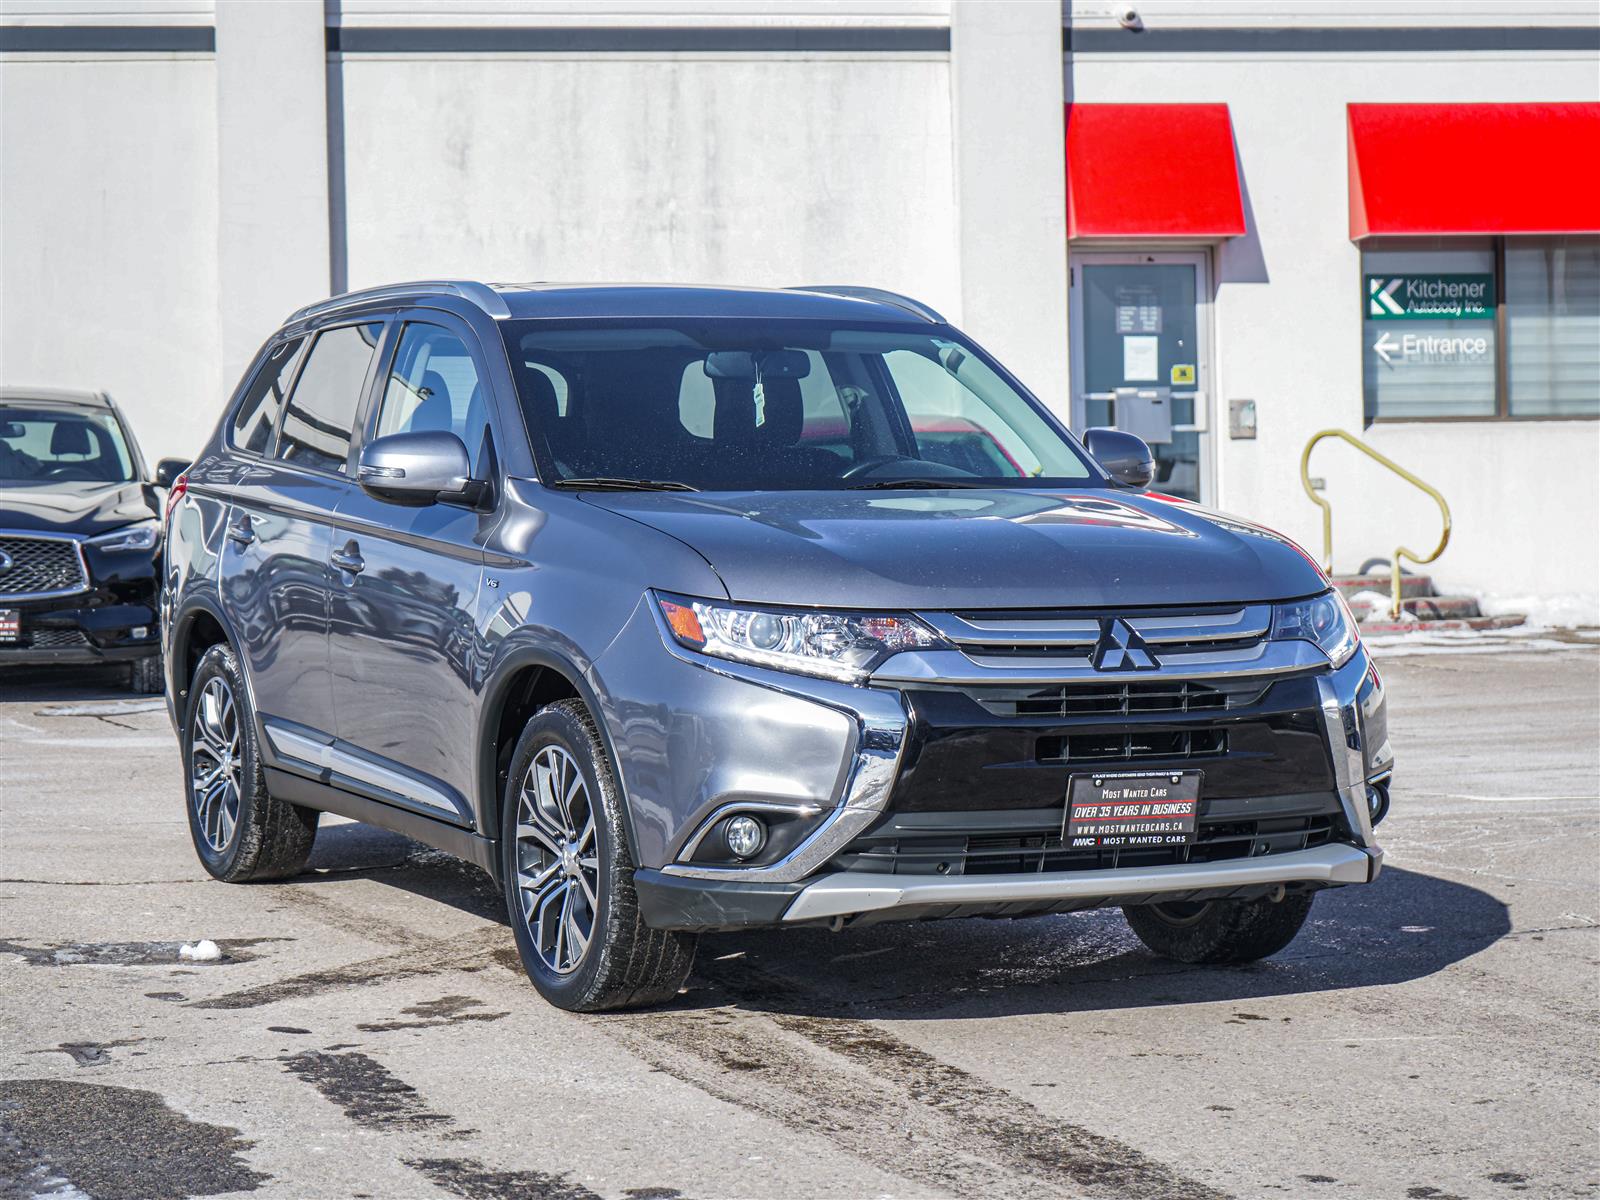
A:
(51, 639)
(1033, 852)
(34, 566)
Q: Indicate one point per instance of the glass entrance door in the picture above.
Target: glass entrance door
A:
(1140, 339)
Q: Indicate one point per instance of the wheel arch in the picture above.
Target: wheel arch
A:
(526, 680)
(199, 626)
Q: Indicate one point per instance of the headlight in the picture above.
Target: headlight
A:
(833, 645)
(142, 536)
(1325, 620)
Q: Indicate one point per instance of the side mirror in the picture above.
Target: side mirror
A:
(168, 470)
(1124, 457)
(424, 467)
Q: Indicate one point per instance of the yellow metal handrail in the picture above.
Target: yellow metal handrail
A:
(1327, 511)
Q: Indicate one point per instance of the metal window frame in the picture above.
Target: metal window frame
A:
(1502, 361)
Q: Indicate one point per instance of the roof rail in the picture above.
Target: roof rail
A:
(877, 295)
(484, 296)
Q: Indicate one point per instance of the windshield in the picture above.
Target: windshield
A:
(41, 445)
(740, 405)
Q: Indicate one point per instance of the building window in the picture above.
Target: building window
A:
(1481, 328)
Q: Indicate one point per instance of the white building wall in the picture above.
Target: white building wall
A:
(1288, 322)
(108, 235)
(766, 169)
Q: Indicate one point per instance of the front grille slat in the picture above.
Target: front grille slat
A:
(1118, 699)
(1132, 745)
(50, 639)
(40, 567)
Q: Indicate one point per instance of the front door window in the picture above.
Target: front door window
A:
(1140, 365)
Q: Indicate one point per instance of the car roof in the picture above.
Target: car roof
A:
(72, 397)
(579, 301)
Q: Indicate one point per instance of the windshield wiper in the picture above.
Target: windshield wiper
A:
(613, 483)
(920, 484)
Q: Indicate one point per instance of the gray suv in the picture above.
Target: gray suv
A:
(682, 609)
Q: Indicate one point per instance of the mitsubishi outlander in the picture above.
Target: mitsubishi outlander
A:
(682, 609)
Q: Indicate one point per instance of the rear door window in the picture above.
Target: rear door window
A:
(257, 414)
(320, 418)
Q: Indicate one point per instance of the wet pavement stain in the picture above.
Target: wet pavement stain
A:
(469, 1179)
(52, 1135)
(129, 954)
(370, 1094)
(428, 958)
(447, 1010)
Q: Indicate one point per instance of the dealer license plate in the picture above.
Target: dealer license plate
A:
(10, 624)
(1126, 809)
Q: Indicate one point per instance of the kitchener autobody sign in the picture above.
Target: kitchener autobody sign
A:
(1441, 299)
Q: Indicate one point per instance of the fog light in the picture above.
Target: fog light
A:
(1377, 801)
(141, 631)
(745, 836)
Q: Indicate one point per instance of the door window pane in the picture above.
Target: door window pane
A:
(257, 415)
(322, 410)
(433, 385)
(1428, 334)
(1553, 326)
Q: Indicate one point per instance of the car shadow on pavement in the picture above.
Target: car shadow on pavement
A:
(53, 685)
(1406, 926)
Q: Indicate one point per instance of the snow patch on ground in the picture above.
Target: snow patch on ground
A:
(202, 951)
(1561, 611)
(1521, 639)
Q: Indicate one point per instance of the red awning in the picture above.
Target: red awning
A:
(1152, 171)
(1474, 168)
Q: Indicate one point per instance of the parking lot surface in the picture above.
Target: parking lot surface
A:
(368, 1031)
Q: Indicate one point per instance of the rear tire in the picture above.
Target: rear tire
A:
(240, 832)
(568, 874)
(145, 677)
(1220, 931)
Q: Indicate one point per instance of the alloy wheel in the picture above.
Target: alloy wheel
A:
(558, 864)
(214, 764)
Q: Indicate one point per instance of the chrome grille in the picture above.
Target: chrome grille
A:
(36, 566)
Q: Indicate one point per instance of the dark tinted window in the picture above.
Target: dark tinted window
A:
(433, 385)
(257, 415)
(743, 404)
(322, 411)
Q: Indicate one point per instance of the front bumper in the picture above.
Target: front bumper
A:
(93, 627)
(1290, 796)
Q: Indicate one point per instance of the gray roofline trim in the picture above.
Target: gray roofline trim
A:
(484, 296)
(874, 295)
(621, 39)
(1332, 40)
(108, 39)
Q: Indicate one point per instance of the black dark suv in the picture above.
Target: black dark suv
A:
(80, 534)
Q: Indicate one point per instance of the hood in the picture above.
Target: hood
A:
(1000, 548)
(86, 508)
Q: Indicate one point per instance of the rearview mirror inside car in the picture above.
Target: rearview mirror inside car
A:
(767, 364)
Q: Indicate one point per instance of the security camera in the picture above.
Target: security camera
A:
(1129, 18)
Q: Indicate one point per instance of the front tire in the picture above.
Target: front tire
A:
(1220, 931)
(568, 874)
(144, 676)
(240, 832)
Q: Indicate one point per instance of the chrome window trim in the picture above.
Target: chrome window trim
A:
(83, 564)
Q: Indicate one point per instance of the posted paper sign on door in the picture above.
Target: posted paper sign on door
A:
(1141, 359)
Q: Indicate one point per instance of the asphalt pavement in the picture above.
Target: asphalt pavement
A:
(368, 1031)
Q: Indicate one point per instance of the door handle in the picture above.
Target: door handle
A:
(241, 531)
(349, 559)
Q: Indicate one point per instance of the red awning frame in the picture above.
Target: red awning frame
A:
(1165, 172)
(1447, 170)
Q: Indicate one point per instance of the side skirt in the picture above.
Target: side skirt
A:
(463, 843)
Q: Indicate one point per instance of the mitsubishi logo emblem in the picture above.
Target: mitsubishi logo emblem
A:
(1121, 649)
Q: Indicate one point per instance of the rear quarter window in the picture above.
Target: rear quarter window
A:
(257, 414)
